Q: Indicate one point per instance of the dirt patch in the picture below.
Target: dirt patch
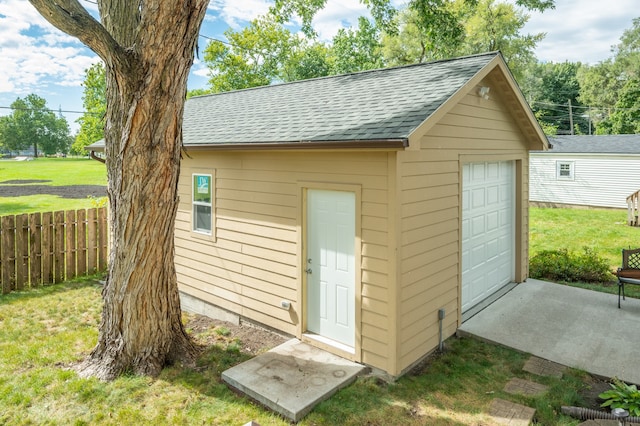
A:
(252, 340)
(594, 387)
(24, 181)
(70, 191)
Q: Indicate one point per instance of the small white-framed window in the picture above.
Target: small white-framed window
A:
(565, 170)
(202, 201)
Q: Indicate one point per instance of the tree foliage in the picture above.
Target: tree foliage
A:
(491, 26)
(461, 27)
(611, 86)
(356, 50)
(32, 124)
(550, 88)
(254, 56)
(94, 103)
(266, 52)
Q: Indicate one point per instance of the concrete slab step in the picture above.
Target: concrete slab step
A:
(509, 413)
(292, 378)
(543, 367)
(517, 386)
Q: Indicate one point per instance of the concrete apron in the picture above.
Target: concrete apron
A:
(578, 328)
(292, 378)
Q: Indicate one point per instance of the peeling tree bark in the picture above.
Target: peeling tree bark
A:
(148, 48)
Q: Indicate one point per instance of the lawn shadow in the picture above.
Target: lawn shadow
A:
(48, 290)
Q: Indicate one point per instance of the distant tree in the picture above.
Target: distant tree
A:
(266, 52)
(625, 118)
(604, 85)
(32, 124)
(253, 56)
(356, 50)
(94, 102)
(431, 30)
(413, 40)
(549, 88)
(491, 26)
(310, 62)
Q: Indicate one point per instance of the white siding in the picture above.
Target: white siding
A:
(599, 180)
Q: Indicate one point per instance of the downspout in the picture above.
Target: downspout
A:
(93, 155)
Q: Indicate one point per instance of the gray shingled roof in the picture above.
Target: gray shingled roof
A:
(373, 105)
(597, 144)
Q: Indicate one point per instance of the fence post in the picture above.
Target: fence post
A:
(22, 251)
(8, 253)
(102, 238)
(35, 249)
(92, 241)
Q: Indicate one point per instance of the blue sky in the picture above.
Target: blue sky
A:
(37, 58)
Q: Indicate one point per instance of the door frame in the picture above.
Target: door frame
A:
(520, 212)
(355, 353)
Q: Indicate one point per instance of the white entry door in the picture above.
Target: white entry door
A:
(488, 229)
(330, 265)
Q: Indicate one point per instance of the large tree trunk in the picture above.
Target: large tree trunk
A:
(148, 50)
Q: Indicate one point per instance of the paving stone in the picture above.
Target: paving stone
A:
(524, 387)
(542, 367)
(511, 414)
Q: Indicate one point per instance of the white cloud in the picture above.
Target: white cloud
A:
(237, 13)
(580, 30)
(338, 14)
(35, 54)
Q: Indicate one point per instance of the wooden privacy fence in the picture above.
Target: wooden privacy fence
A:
(44, 248)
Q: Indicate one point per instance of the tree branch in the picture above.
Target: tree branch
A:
(70, 17)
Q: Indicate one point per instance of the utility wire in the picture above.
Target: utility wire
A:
(45, 109)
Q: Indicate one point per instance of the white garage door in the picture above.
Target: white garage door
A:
(488, 230)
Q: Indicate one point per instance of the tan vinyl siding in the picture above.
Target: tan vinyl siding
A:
(253, 262)
(429, 206)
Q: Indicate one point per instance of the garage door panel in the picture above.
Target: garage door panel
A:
(477, 227)
(478, 198)
(493, 221)
(488, 230)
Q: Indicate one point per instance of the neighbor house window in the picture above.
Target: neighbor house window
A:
(202, 205)
(564, 170)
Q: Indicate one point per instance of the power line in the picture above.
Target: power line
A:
(45, 109)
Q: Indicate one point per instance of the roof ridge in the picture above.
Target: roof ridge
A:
(327, 77)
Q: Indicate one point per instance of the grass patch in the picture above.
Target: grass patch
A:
(604, 231)
(58, 172)
(45, 331)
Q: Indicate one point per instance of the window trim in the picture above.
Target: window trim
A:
(195, 203)
(559, 170)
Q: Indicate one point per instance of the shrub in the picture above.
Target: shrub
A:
(566, 266)
(622, 395)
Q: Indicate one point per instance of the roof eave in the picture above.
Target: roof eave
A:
(392, 143)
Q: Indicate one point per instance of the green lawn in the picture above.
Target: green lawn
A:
(59, 172)
(44, 332)
(605, 231)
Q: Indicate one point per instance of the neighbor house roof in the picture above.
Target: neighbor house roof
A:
(378, 108)
(595, 144)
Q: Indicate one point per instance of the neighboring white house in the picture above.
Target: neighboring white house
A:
(595, 171)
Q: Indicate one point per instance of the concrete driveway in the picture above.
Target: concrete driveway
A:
(579, 328)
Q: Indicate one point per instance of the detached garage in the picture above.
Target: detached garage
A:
(349, 211)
